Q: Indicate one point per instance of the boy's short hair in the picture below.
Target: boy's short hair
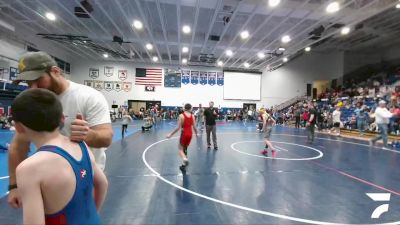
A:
(38, 109)
(188, 107)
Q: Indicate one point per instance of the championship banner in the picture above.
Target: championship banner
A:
(89, 83)
(122, 74)
(94, 73)
(117, 86)
(212, 77)
(172, 78)
(127, 86)
(108, 85)
(220, 78)
(185, 76)
(99, 85)
(108, 71)
(194, 77)
(203, 78)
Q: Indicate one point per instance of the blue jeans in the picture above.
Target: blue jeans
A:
(361, 125)
(383, 134)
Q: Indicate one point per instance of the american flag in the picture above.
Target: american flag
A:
(148, 77)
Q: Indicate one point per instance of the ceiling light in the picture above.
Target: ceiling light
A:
(149, 46)
(155, 58)
(220, 63)
(185, 49)
(333, 7)
(285, 59)
(286, 39)
(307, 49)
(186, 29)
(229, 52)
(345, 30)
(281, 49)
(138, 24)
(105, 55)
(244, 34)
(84, 42)
(261, 55)
(50, 16)
(398, 6)
(273, 3)
(184, 61)
(246, 64)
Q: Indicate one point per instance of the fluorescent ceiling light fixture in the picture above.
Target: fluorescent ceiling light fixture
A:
(185, 49)
(220, 63)
(345, 30)
(149, 46)
(137, 24)
(333, 7)
(285, 59)
(184, 61)
(105, 55)
(398, 6)
(261, 55)
(281, 49)
(246, 64)
(186, 29)
(50, 16)
(244, 34)
(273, 3)
(229, 52)
(307, 49)
(286, 39)
(155, 58)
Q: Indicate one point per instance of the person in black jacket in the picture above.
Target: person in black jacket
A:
(210, 114)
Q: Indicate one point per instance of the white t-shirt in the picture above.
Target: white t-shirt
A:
(92, 105)
(336, 116)
(382, 115)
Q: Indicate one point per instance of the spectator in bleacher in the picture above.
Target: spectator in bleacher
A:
(320, 117)
(336, 120)
(362, 120)
(382, 116)
(306, 116)
(311, 121)
(297, 114)
(200, 117)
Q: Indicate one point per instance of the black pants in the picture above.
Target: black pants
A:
(124, 129)
(311, 133)
(146, 128)
(297, 125)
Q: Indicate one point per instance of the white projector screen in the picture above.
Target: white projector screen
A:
(242, 86)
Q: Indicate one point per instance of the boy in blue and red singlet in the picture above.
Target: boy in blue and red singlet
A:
(60, 183)
(187, 122)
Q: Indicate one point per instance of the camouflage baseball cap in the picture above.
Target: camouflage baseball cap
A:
(32, 65)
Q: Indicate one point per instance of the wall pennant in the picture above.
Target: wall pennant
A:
(89, 83)
(99, 85)
(108, 71)
(122, 74)
(108, 85)
(94, 73)
(127, 86)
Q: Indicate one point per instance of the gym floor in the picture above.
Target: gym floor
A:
(325, 182)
